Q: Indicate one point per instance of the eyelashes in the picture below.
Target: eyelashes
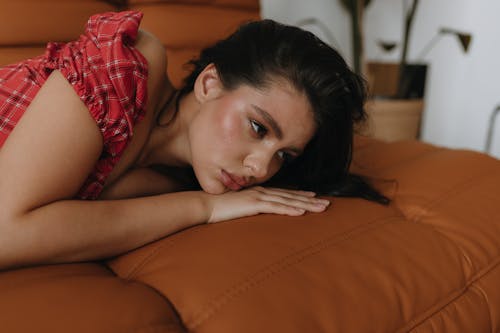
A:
(261, 131)
(285, 157)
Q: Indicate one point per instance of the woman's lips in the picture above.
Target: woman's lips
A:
(232, 182)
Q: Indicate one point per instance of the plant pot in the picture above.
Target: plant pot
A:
(383, 78)
(393, 119)
(386, 80)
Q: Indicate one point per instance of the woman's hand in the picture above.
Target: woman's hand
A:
(256, 200)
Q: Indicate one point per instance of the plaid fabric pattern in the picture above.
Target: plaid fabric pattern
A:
(108, 74)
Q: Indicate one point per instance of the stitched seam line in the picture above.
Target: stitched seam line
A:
(141, 263)
(214, 305)
(446, 195)
(485, 296)
(453, 297)
(449, 240)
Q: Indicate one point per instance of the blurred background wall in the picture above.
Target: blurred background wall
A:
(461, 90)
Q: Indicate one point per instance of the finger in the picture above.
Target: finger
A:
(278, 208)
(297, 195)
(286, 190)
(313, 204)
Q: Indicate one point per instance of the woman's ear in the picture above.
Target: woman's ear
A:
(208, 84)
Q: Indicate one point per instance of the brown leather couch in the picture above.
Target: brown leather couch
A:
(429, 262)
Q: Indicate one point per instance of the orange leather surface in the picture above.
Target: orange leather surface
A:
(10, 55)
(34, 22)
(429, 262)
(243, 4)
(185, 30)
(80, 298)
(180, 24)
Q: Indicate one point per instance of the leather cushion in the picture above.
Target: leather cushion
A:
(396, 267)
(80, 298)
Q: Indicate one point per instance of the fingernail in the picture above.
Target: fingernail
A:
(323, 202)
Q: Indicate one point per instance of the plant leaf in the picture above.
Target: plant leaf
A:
(348, 4)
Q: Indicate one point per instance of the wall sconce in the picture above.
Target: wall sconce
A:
(464, 39)
(491, 128)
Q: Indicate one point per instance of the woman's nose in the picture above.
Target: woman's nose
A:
(258, 163)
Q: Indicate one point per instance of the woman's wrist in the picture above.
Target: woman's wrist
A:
(204, 205)
(197, 205)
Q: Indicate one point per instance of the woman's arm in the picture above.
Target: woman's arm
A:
(45, 161)
(74, 230)
(77, 230)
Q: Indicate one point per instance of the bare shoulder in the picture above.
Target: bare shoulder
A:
(47, 163)
(153, 50)
(155, 53)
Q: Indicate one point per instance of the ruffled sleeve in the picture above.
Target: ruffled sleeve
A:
(110, 76)
(113, 36)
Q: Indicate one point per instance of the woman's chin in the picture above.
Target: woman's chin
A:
(214, 188)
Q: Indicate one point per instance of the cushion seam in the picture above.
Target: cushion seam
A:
(453, 297)
(446, 195)
(216, 303)
(141, 263)
(481, 292)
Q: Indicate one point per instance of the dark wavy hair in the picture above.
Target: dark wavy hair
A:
(260, 52)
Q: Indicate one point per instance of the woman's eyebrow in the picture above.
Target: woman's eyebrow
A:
(274, 125)
(270, 120)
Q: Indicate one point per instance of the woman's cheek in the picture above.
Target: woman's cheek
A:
(232, 128)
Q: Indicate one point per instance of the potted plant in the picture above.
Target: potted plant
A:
(397, 89)
(394, 110)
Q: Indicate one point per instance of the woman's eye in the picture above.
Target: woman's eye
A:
(258, 128)
(285, 157)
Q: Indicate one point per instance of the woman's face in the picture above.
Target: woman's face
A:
(242, 137)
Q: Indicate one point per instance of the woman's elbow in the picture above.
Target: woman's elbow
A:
(11, 241)
(7, 239)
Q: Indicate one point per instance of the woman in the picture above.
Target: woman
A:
(271, 104)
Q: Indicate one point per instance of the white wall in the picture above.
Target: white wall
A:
(462, 89)
(329, 12)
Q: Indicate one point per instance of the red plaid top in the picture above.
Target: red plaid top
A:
(108, 74)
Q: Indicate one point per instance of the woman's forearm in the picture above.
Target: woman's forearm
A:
(76, 230)
(73, 230)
